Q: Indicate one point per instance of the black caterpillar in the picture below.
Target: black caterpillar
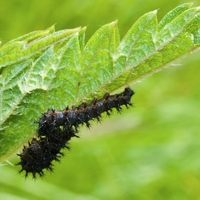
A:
(57, 127)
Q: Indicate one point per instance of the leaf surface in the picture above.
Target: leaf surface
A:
(49, 69)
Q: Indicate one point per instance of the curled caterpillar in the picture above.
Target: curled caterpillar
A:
(57, 127)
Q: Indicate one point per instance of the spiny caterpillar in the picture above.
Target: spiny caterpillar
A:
(57, 127)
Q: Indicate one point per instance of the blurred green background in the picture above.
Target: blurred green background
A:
(151, 151)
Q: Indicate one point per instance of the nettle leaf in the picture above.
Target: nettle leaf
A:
(49, 69)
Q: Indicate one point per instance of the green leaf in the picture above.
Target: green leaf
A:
(48, 69)
(97, 60)
(26, 46)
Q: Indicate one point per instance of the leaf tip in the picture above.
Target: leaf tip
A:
(77, 29)
(84, 28)
(154, 12)
(115, 22)
(51, 29)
